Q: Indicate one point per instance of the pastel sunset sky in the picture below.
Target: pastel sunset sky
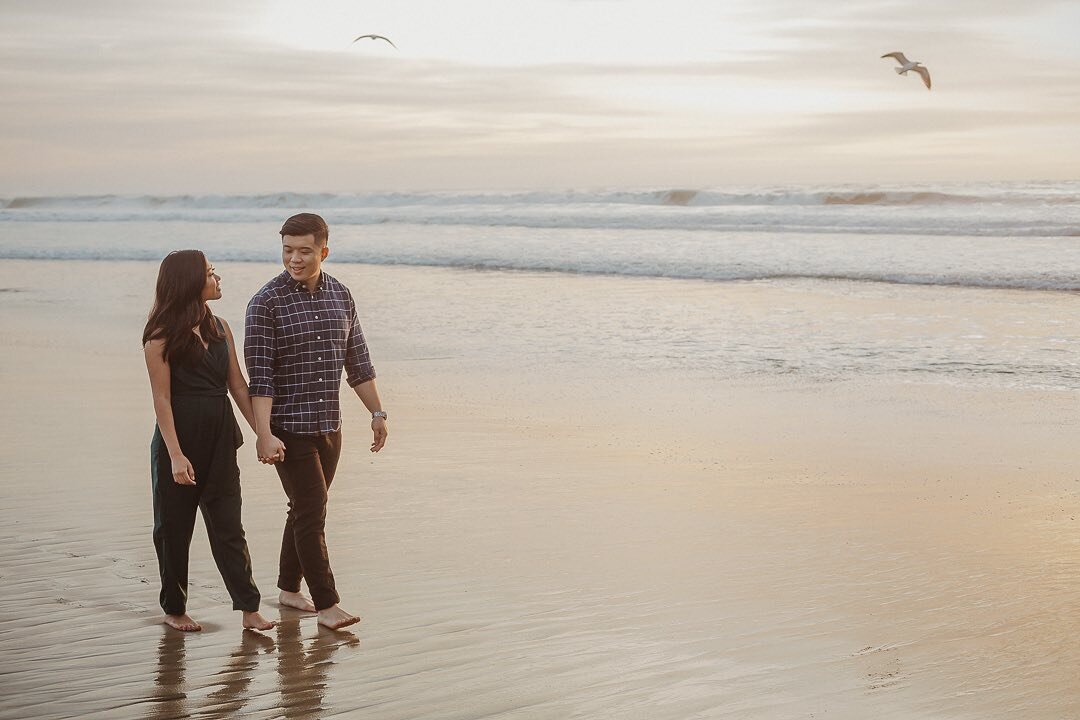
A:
(204, 97)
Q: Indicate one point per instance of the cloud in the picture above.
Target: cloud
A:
(831, 130)
(186, 97)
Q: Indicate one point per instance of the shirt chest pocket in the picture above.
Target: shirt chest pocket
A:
(327, 326)
(337, 328)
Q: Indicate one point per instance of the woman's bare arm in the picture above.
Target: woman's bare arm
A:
(161, 387)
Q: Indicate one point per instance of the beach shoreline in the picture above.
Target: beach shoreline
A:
(550, 536)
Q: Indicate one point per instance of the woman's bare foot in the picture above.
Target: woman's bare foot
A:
(335, 618)
(182, 622)
(296, 601)
(255, 621)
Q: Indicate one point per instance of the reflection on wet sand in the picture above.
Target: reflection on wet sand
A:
(170, 694)
(238, 688)
(173, 695)
(232, 694)
(303, 673)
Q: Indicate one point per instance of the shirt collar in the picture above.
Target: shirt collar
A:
(299, 286)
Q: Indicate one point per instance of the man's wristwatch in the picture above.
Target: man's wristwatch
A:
(378, 414)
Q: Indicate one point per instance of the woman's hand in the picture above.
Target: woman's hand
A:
(182, 472)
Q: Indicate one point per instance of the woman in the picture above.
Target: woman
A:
(191, 358)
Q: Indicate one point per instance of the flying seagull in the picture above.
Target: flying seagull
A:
(377, 37)
(906, 65)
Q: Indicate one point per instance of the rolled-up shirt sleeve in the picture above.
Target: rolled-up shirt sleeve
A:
(259, 345)
(358, 367)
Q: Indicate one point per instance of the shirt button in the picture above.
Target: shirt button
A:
(318, 337)
(320, 379)
(316, 317)
(320, 358)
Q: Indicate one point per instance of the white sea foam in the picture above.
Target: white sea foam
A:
(1030, 210)
(988, 262)
(989, 235)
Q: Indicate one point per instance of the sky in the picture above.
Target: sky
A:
(149, 97)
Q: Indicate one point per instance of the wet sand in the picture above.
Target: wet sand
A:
(576, 540)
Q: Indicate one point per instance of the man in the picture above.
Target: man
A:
(301, 330)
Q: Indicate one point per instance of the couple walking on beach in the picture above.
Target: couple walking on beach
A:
(301, 330)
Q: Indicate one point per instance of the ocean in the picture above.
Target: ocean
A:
(983, 274)
(745, 454)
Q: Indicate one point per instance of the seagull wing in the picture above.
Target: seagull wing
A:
(377, 37)
(898, 55)
(925, 75)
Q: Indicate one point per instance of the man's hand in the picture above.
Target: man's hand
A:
(378, 430)
(182, 472)
(270, 449)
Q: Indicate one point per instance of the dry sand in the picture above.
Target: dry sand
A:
(587, 542)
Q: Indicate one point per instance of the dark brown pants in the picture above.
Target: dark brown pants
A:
(306, 474)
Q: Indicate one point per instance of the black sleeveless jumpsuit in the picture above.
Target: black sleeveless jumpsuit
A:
(209, 437)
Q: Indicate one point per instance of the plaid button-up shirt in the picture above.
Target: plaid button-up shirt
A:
(296, 344)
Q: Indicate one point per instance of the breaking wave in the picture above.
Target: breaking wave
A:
(1049, 194)
(1031, 210)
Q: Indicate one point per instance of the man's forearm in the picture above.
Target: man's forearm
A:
(262, 407)
(369, 395)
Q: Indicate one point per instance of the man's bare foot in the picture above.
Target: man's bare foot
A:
(255, 621)
(296, 601)
(335, 618)
(182, 622)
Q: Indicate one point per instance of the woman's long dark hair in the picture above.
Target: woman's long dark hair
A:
(179, 307)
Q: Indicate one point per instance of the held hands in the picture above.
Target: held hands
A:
(182, 472)
(270, 449)
(378, 429)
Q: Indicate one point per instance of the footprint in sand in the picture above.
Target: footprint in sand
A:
(882, 667)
